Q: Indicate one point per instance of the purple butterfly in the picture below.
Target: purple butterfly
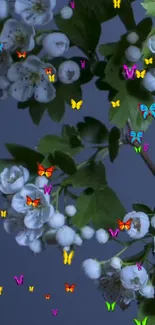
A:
(130, 72)
(83, 63)
(20, 280)
(54, 312)
(139, 265)
(113, 233)
(72, 4)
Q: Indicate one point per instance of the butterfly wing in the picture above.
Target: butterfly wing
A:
(146, 61)
(133, 136)
(67, 287)
(120, 224)
(144, 110)
(108, 305)
(127, 224)
(144, 322)
(137, 322)
(41, 170)
(72, 288)
(138, 74)
(36, 202)
(113, 306)
(28, 200)
(118, 103)
(111, 231)
(113, 104)
(65, 256)
(49, 171)
(70, 257)
(79, 104)
(152, 110)
(73, 103)
(143, 73)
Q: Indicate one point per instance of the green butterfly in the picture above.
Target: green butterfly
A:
(143, 322)
(111, 307)
(138, 149)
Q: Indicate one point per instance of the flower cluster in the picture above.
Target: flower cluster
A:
(26, 79)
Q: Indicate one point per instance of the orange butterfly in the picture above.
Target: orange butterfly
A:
(29, 201)
(47, 171)
(69, 288)
(21, 55)
(48, 70)
(124, 225)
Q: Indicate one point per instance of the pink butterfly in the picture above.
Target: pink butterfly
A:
(54, 312)
(20, 280)
(129, 72)
(72, 4)
(139, 265)
(83, 63)
(113, 233)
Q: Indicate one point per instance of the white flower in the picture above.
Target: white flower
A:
(70, 210)
(153, 221)
(49, 236)
(132, 38)
(35, 217)
(116, 263)
(56, 44)
(41, 181)
(78, 240)
(4, 9)
(102, 236)
(127, 296)
(66, 12)
(132, 278)
(68, 72)
(36, 246)
(151, 44)
(66, 248)
(57, 220)
(65, 236)
(17, 35)
(92, 268)
(13, 179)
(29, 78)
(35, 12)
(147, 291)
(139, 226)
(133, 54)
(149, 81)
(87, 232)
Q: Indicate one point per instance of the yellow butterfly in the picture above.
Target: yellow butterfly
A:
(115, 104)
(68, 257)
(140, 74)
(149, 61)
(76, 105)
(51, 78)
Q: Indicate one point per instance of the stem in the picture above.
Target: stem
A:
(118, 254)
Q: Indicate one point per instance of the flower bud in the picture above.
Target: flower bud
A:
(41, 181)
(132, 38)
(116, 263)
(133, 54)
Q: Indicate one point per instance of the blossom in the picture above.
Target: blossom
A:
(57, 220)
(132, 38)
(147, 291)
(139, 226)
(66, 12)
(70, 210)
(78, 240)
(35, 12)
(65, 236)
(56, 44)
(151, 43)
(133, 53)
(149, 81)
(4, 9)
(153, 221)
(116, 263)
(102, 236)
(13, 179)
(17, 35)
(35, 217)
(92, 268)
(68, 72)
(127, 296)
(29, 78)
(36, 246)
(66, 248)
(87, 232)
(132, 278)
(41, 181)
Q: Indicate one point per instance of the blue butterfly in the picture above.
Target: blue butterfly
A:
(146, 111)
(1, 47)
(136, 136)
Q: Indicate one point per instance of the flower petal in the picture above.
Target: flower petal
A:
(16, 71)
(26, 237)
(4, 82)
(4, 9)
(33, 63)
(44, 92)
(36, 218)
(21, 90)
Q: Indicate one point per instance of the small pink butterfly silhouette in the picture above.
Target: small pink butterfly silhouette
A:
(83, 63)
(139, 265)
(113, 233)
(72, 4)
(20, 280)
(54, 312)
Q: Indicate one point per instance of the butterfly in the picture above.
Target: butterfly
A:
(146, 111)
(48, 70)
(54, 312)
(130, 72)
(19, 280)
(136, 136)
(72, 4)
(110, 307)
(138, 149)
(47, 296)
(68, 257)
(140, 74)
(51, 78)
(143, 322)
(21, 55)
(76, 105)
(149, 61)
(124, 225)
(45, 171)
(69, 288)
(113, 233)
(29, 201)
(115, 104)
(83, 63)
(1, 47)
(139, 265)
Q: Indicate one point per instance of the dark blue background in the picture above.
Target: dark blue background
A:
(128, 176)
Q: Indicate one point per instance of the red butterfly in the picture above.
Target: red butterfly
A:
(21, 55)
(29, 201)
(45, 171)
(69, 288)
(47, 296)
(124, 225)
(48, 70)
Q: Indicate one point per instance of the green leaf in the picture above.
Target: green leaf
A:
(100, 67)
(92, 130)
(113, 142)
(100, 207)
(149, 6)
(93, 175)
(28, 156)
(140, 256)
(138, 207)
(108, 49)
(146, 308)
(144, 28)
(65, 162)
(71, 135)
(36, 109)
(51, 143)
(56, 108)
(68, 92)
